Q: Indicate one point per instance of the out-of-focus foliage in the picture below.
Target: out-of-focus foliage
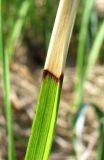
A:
(37, 17)
(37, 22)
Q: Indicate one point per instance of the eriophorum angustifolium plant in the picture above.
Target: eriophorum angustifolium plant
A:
(47, 108)
(21, 19)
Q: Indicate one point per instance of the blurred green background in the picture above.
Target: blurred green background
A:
(31, 22)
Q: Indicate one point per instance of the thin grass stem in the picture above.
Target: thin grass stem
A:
(6, 88)
(80, 67)
(95, 50)
(17, 27)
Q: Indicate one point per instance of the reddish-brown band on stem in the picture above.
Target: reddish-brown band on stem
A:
(48, 73)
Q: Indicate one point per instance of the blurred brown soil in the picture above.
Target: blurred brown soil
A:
(25, 83)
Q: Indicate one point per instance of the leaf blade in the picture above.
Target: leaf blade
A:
(47, 110)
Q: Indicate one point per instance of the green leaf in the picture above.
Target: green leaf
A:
(17, 28)
(6, 89)
(95, 50)
(80, 67)
(44, 122)
(1, 38)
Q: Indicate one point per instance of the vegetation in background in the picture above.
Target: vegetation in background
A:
(21, 17)
(6, 89)
(81, 54)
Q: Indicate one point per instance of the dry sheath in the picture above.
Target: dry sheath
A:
(61, 35)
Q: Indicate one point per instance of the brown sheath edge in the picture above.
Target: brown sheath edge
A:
(48, 73)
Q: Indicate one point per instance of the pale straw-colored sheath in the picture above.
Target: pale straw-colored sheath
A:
(60, 38)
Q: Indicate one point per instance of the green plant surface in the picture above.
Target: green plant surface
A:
(17, 27)
(6, 89)
(9, 121)
(100, 153)
(44, 123)
(1, 38)
(95, 50)
(80, 67)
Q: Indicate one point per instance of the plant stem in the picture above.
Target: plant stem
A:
(6, 88)
(95, 49)
(9, 121)
(41, 137)
(16, 29)
(1, 39)
(59, 43)
(80, 67)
